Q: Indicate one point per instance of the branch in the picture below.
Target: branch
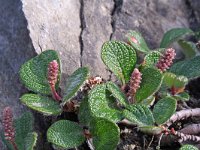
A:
(183, 114)
(191, 129)
(186, 137)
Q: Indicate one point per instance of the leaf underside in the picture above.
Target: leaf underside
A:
(43, 104)
(74, 82)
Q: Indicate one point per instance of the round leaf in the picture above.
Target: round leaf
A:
(151, 130)
(65, 134)
(151, 82)
(182, 96)
(152, 58)
(30, 141)
(74, 82)
(164, 109)
(173, 35)
(189, 68)
(137, 41)
(33, 73)
(102, 104)
(117, 93)
(105, 134)
(120, 58)
(41, 103)
(139, 114)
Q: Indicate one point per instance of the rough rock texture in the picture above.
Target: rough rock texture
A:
(77, 30)
(15, 48)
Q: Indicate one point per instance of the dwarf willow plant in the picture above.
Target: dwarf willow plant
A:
(146, 96)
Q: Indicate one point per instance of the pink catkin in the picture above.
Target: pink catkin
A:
(53, 70)
(135, 81)
(9, 131)
(166, 60)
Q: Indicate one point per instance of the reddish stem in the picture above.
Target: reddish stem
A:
(14, 145)
(56, 96)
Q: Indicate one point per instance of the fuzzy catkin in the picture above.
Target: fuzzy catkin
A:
(9, 131)
(53, 70)
(166, 60)
(135, 81)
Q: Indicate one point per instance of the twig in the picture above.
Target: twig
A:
(150, 142)
(160, 138)
(186, 137)
(191, 129)
(183, 114)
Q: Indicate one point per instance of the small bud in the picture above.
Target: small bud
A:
(9, 131)
(135, 81)
(53, 70)
(166, 60)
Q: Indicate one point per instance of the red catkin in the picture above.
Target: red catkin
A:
(166, 60)
(135, 81)
(53, 70)
(9, 130)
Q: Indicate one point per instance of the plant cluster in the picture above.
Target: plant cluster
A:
(146, 96)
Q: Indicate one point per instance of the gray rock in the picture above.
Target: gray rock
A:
(15, 48)
(96, 24)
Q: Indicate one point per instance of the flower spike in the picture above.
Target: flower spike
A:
(53, 70)
(166, 60)
(135, 81)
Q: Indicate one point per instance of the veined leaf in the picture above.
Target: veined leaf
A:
(151, 82)
(188, 48)
(189, 68)
(153, 130)
(41, 104)
(117, 93)
(164, 109)
(120, 58)
(102, 104)
(74, 82)
(33, 73)
(65, 134)
(182, 96)
(188, 147)
(137, 41)
(152, 58)
(102, 130)
(139, 114)
(173, 35)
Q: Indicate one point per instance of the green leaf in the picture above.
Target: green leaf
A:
(33, 73)
(30, 141)
(152, 58)
(164, 109)
(151, 82)
(173, 35)
(74, 82)
(65, 134)
(139, 114)
(182, 96)
(120, 58)
(154, 130)
(41, 104)
(117, 93)
(102, 104)
(188, 147)
(188, 48)
(84, 114)
(189, 68)
(148, 101)
(171, 80)
(23, 126)
(137, 41)
(105, 134)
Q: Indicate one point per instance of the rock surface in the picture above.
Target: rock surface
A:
(77, 30)
(15, 48)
